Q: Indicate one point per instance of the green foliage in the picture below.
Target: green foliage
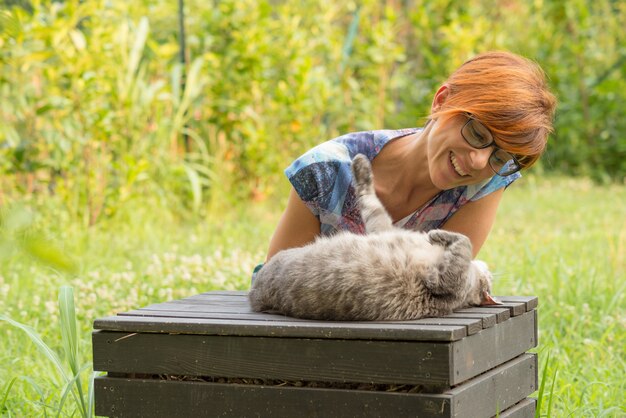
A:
(542, 244)
(69, 379)
(92, 106)
(583, 52)
(541, 395)
(564, 242)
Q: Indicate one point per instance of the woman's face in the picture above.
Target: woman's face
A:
(452, 161)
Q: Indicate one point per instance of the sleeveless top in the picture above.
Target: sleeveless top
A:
(323, 180)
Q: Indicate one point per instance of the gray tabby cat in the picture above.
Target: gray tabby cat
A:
(387, 274)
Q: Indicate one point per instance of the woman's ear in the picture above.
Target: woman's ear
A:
(440, 98)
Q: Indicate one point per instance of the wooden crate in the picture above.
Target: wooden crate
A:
(210, 355)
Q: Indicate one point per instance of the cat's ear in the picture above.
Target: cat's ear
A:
(489, 300)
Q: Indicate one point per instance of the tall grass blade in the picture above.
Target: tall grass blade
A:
(193, 87)
(67, 316)
(196, 187)
(90, 393)
(552, 393)
(40, 392)
(36, 339)
(542, 387)
(175, 84)
(68, 388)
(137, 51)
(6, 395)
(68, 326)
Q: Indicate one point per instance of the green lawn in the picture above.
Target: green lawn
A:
(563, 240)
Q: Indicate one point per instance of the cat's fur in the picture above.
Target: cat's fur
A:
(387, 274)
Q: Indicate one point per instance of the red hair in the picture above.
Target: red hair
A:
(509, 95)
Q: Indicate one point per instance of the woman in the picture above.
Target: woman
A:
(488, 121)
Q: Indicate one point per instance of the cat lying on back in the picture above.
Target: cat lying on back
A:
(387, 274)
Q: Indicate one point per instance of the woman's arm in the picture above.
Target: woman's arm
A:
(296, 227)
(475, 219)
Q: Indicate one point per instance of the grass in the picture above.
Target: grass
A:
(563, 240)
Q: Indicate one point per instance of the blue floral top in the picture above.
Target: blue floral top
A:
(323, 180)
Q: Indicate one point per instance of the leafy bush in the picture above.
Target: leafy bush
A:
(96, 107)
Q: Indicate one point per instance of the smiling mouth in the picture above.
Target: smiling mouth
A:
(457, 166)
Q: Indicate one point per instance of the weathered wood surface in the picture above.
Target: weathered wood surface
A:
(288, 329)
(493, 346)
(273, 358)
(485, 396)
(228, 313)
(523, 409)
(373, 361)
(471, 354)
(204, 311)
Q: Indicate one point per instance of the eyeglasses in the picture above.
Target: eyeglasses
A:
(478, 136)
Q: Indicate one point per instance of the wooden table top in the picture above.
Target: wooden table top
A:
(229, 313)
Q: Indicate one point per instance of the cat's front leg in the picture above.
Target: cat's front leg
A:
(373, 212)
(454, 263)
(445, 238)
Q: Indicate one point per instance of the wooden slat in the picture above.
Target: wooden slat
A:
(235, 316)
(274, 358)
(222, 298)
(519, 378)
(489, 320)
(329, 359)
(502, 314)
(500, 388)
(531, 301)
(118, 397)
(240, 310)
(238, 301)
(523, 409)
(240, 296)
(215, 300)
(199, 307)
(473, 325)
(234, 293)
(304, 329)
(492, 346)
(536, 327)
(230, 301)
(515, 308)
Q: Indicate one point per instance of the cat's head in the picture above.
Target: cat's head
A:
(479, 292)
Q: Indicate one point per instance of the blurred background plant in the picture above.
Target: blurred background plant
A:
(91, 107)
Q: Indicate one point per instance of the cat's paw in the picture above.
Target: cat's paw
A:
(362, 170)
(446, 238)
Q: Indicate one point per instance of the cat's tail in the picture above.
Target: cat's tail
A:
(271, 283)
(374, 215)
(261, 291)
(255, 299)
